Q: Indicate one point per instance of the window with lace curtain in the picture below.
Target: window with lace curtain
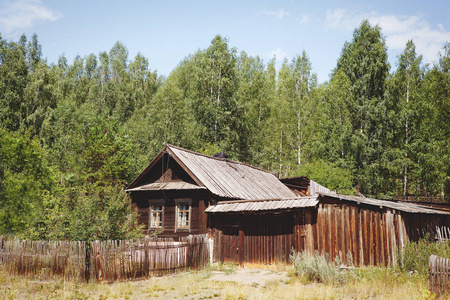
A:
(183, 211)
(156, 215)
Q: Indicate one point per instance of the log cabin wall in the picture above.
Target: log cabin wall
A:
(198, 200)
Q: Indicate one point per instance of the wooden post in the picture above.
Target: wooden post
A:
(241, 240)
(98, 262)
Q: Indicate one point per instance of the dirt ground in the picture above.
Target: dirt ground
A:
(252, 276)
(227, 283)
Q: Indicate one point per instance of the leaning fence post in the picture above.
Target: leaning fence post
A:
(438, 277)
(98, 265)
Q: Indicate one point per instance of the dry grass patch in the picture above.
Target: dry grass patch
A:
(364, 283)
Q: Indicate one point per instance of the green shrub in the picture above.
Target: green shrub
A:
(415, 255)
(318, 267)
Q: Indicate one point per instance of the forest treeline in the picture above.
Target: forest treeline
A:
(73, 134)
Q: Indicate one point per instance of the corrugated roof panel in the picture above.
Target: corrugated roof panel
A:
(262, 205)
(258, 205)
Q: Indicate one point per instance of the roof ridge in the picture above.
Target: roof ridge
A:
(217, 158)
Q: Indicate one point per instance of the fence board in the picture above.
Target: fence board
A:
(123, 260)
(106, 260)
(43, 259)
(439, 274)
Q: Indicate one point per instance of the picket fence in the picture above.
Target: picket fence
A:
(439, 274)
(443, 234)
(102, 260)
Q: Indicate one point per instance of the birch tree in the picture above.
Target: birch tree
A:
(212, 89)
(364, 62)
(407, 82)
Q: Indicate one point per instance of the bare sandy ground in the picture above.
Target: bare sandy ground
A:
(250, 276)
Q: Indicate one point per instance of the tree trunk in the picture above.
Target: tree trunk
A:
(405, 175)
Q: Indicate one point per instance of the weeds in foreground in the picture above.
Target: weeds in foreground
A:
(362, 283)
(318, 267)
(227, 268)
(415, 255)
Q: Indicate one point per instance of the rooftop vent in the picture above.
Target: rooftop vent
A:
(220, 155)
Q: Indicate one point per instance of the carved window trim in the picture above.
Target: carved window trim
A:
(156, 211)
(183, 216)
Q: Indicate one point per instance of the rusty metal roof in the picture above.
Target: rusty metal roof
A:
(401, 206)
(167, 185)
(230, 179)
(262, 205)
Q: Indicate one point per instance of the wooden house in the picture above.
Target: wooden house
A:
(251, 216)
(172, 193)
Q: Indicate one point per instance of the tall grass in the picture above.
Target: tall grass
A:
(415, 255)
(318, 267)
(365, 283)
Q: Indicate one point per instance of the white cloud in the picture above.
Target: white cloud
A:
(15, 16)
(304, 19)
(334, 18)
(396, 29)
(343, 19)
(399, 29)
(278, 54)
(280, 14)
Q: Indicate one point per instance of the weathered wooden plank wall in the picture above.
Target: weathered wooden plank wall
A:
(359, 234)
(261, 239)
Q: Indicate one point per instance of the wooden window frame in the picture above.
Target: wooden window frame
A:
(150, 219)
(177, 203)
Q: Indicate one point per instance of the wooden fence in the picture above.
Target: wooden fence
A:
(43, 260)
(121, 260)
(102, 260)
(443, 234)
(439, 274)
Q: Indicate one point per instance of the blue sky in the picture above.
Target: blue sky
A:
(165, 32)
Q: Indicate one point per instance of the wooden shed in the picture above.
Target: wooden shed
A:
(372, 230)
(253, 217)
(361, 230)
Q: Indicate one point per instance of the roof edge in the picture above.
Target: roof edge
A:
(174, 156)
(217, 158)
(386, 203)
(150, 165)
(166, 149)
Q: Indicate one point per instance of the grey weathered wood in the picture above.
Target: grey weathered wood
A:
(109, 260)
(226, 178)
(439, 274)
